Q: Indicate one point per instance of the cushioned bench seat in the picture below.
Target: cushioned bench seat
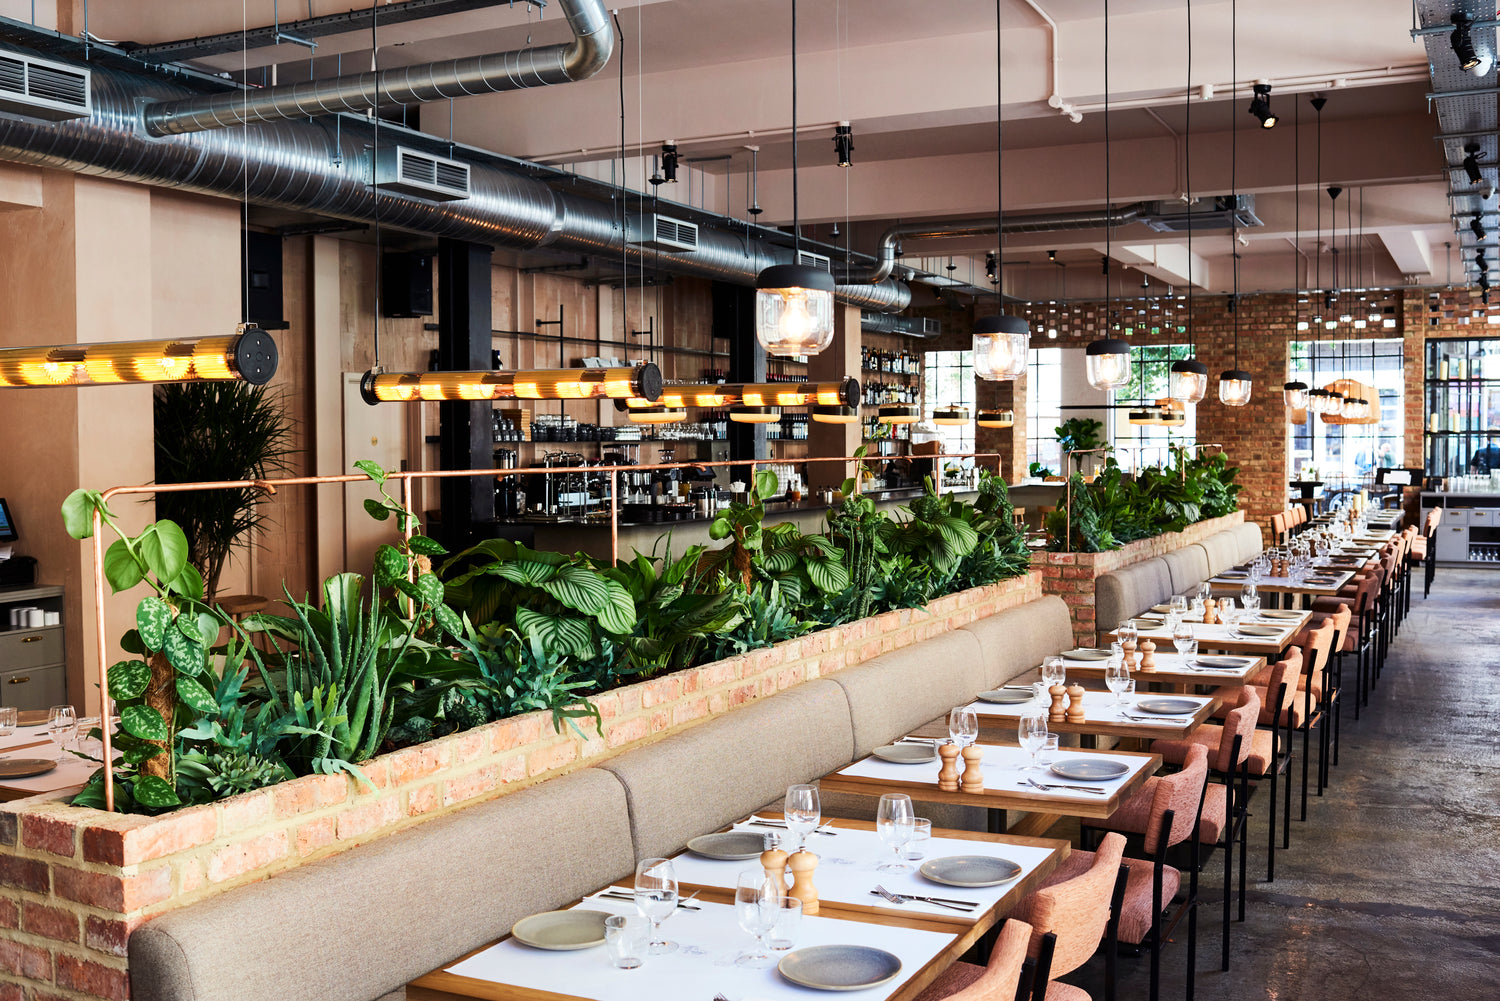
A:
(1188, 568)
(1128, 591)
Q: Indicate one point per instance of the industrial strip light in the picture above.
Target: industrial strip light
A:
(642, 382)
(249, 354)
(756, 394)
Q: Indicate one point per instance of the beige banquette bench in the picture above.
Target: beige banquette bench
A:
(1128, 591)
(360, 925)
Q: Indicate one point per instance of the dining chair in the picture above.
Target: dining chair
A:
(1316, 643)
(998, 980)
(1278, 528)
(1167, 811)
(1078, 910)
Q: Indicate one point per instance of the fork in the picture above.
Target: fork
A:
(901, 898)
(1048, 788)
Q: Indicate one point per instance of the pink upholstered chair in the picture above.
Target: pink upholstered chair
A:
(997, 981)
(1075, 908)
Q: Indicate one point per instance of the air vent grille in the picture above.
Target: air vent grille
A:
(667, 233)
(36, 88)
(422, 175)
(808, 259)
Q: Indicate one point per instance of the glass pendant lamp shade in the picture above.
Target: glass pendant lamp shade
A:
(950, 416)
(1317, 401)
(1188, 381)
(794, 310)
(1108, 363)
(825, 414)
(1173, 412)
(1351, 409)
(1334, 405)
(899, 415)
(656, 414)
(1234, 387)
(1294, 394)
(1001, 347)
(996, 418)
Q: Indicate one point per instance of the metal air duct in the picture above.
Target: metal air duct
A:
(593, 42)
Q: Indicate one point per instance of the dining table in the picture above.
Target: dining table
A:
(925, 938)
(33, 742)
(1136, 716)
(1324, 582)
(1230, 639)
(1174, 671)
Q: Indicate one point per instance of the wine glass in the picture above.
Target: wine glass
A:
(1182, 636)
(1127, 633)
(1032, 733)
(756, 901)
(656, 899)
(1247, 592)
(1054, 671)
(1189, 651)
(1116, 674)
(802, 812)
(62, 724)
(894, 821)
(1178, 604)
(1203, 590)
(921, 831)
(963, 726)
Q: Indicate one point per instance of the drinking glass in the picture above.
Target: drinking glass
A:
(1115, 676)
(1189, 651)
(656, 899)
(625, 936)
(785, 923)
(1032, 734)
(1203, 591)
(921, 830)
(963, 726)
(802, 812)
(1247, 592)
(1048, 753)
(7, 720)
(1127, 633)
(1252, 605)
(62, 724)
(1054, 671)
(1182, 635)
(1126, 691)
(756, 901)
(894, 821)
(1179, 604)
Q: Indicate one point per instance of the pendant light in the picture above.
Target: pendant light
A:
(898, 414)
(1145, 416)
(1234, 384)
(794, 302)
(996, 419)
(642, 382)
(744, 414)
(950, 416)
(249, 355)
(1002, 344)
(1107, 360)
(657, 414)
(1187, 381)
(1294, 391)
(825, 414)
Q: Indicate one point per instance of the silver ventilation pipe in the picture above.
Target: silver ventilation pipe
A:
(891, 238)
(588, 52)
(323, 167)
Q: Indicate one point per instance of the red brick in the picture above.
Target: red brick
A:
(48, 834)
(8, 825)
(247, 810)
(23, 873)
(10, 913)
(13, 992)
(421, 800)
(107, 935)
(413, 763)
(49, 922)
(27, 961)
(316, 834)
(93, 978)
(247, 856)
(627, 731)
(371, 816)
(309, 793)
(163, 836)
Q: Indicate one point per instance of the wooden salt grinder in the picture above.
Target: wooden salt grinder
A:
(1075, 703)
(973, 778)
(1148, 655)
(773, 861)
(948, 774)
(803, 863)
(1210, 608)
(1059, 704)
(1128, 648)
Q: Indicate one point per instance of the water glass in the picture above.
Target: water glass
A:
(1179, 604)
(1252, 605)
(802, 811)
(656, 899)
(894, 822)
(1189, 651)
(1247, 592)
(756, 901)
(1116, 674)
(1048, 753)
(625, 937)
(1054, 671)
(921, 830)
(1126, 691)
(7, 720)
(1203, 591)
(1032, 734)
(785, 924)
(62, 724)
(1182, 635)
(963, 726)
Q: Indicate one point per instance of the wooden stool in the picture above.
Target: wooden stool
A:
(237, 606)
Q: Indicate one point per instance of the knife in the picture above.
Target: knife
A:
(622, 895)
(933, 900)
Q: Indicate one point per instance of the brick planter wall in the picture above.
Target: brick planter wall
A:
(75, 882)
(1071, 576)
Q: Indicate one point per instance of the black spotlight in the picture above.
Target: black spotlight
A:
(1463, 42)
(669, 157)
(843, 143)
(1260, 106)
(991, 267)
(1471, 163)
(1477, 228)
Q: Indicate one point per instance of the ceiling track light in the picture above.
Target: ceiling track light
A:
(642, 382)
(823, 414)
(248, 355)
(1462, 40)
(1260, 106)
(843, 143)
(669, 159)
(1470, 163)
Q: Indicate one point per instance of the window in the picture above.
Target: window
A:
(1346, 455)
(1044, 407)
(948, 381)
(1147, 444)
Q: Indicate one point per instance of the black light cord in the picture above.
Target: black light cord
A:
(1234, 165)
(1187, 161)
(999, 163)
(796, 204)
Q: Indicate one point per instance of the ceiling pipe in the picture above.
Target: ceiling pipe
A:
(886, 254)
(588, 52)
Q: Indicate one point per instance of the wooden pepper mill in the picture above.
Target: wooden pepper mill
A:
(802, 864)
(948, 774)
(1075, 703)
(773, 861)
(1059, 703)
(1148, 655)
(1210, 610)
(1128, 648)
(973, 777)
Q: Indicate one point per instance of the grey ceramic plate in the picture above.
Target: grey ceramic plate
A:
(1086, 654)
(31, 717)
(1234, 574)
(1161, 608)
(1229, 662)
(970, 870)
(839, 967)
(735, 845)
(1007, 696)
(1167, 707)
(1259, 630)
(1146, 621)
(561, 931)
(903, 754)
(24, 768)
(1090, 769)
(1280, 614)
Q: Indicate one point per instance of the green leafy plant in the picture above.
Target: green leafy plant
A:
(1039, 471)
(1080, 434)
(673, 617)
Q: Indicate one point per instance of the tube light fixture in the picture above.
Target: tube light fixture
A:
(742, 413)
(642, 382)
(1107, 363)
(950, 416)
(249, 355)
(1188, 380)
(825, 414)
(844, 393)
(1260, 106)
(1234, 387)
(899, 414)
(657, 414)
(996, 418)
(1001, 347)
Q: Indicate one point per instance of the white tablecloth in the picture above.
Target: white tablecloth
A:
(707, 939)
(1097, 706)
(847, 870)
(1171, 662)
(1001, 765)
(70, 771)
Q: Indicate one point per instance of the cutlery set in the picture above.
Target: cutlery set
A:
(901, 898)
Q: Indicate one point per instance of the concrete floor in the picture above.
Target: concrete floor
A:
(1391, 889)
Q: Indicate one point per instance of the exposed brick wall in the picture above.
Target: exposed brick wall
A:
(75, 882)
(1071, 576)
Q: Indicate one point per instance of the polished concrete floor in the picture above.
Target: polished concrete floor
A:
(1391, 888)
